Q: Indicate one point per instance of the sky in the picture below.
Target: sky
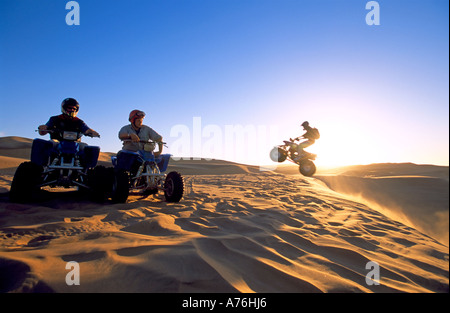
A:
(230, 79)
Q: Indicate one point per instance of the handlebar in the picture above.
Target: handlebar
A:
(146, 141)
(79, 134)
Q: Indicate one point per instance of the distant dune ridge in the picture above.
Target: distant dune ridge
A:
(236, 230)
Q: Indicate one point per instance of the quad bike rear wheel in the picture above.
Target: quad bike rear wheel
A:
(307, 168)
(173, 187)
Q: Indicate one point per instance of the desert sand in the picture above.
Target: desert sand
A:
(237, 229)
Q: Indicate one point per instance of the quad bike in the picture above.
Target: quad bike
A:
(289, 151)
(58, 164)
(142, 172)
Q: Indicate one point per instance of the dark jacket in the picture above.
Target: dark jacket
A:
(65, 123)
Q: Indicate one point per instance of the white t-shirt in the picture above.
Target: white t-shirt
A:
(144, 133)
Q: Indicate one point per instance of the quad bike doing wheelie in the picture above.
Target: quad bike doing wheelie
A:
(58, 164)
(142, 172)
(289, 151)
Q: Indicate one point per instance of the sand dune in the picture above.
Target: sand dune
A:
(415, 194)
(235, 230)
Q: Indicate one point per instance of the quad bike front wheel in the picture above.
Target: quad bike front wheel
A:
(173, 187)
(278, 155)
(25, 183)
(307, 168)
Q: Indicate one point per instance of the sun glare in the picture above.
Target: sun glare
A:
(334, 149)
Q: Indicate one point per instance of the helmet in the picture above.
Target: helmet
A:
(135, 114)
(70, 102)
(305, 124)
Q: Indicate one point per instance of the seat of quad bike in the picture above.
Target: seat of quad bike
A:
(125, 159)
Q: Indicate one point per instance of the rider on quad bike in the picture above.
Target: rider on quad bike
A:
(138, 168)
(64, 161)
(67, 121)
(295, 153)
(312, 134)
(136, 133)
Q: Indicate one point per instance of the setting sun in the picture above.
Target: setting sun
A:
(334, 149)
